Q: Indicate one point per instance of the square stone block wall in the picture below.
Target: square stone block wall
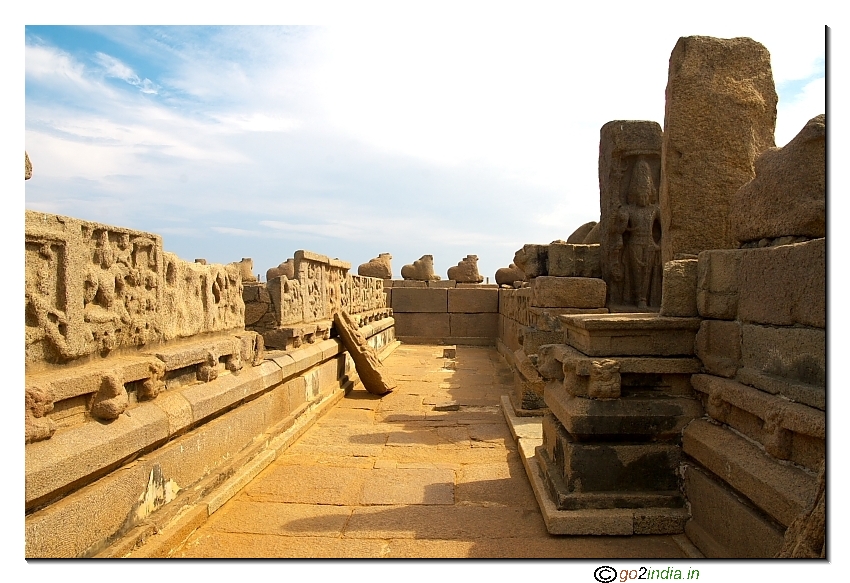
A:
(407, 300)
(567, 292)
(473, 301)
(474, 325)
(432, 325)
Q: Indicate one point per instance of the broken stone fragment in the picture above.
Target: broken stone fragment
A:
(379, 267)
(466, 271)
(508, 275)
(111, 399)
(369, 368)
(787, 196)
(37, 403)
(246, 269)
(27, 167)
(420, 270)
(286, 268)
(207, 370)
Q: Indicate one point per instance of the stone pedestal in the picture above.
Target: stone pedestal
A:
(619, 396)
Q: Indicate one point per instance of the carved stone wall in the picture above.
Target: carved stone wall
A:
(291, 311)
(93, 289)
(629, 179)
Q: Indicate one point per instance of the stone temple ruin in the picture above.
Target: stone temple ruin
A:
(668, 361)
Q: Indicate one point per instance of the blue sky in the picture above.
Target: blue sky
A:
(445, 137)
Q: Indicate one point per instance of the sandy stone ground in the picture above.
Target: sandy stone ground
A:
(427, 471)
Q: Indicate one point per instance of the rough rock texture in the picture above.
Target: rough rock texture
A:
(379, 267)
(466, 271)
(580, 234)
(38, 404)
(533, 260)
(508, 275)
(287, 268)
(369, 368)
(679, 298)
(787, 195)
(111, 400)
(27, 167)
(720, 115)
(420, 270)
(806, 537)
(630, 223)
(246, 269)
(594, 237)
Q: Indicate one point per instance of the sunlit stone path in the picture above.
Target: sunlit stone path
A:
(430, 470)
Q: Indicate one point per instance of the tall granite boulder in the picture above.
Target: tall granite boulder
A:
(466, 271)
(379, 267)
(787, 197)
(720, 115)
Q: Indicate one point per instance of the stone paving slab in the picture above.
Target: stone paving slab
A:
(392, 477)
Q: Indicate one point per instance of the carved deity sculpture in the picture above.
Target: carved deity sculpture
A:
(643, 249)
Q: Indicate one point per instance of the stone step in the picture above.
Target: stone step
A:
(723, 525)
(631, 334)
(636, 417)
(564, 499)
(777, 488)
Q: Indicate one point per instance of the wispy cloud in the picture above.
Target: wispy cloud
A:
(112, 67)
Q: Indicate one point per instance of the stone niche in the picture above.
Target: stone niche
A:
(630, 225)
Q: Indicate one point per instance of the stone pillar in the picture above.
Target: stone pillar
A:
(630, 224)
(719, 116)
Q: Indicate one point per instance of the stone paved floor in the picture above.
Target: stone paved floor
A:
(396, 477)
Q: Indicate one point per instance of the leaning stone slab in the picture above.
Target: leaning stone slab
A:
(369, 368)
(787, 196)
(631, 334)
(720, 115)
(567, 292)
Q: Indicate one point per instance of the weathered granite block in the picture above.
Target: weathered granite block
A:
(420, 300)
(717, 283)
(568, 260)
(679, 289)
(798, 354)
(473, 325)
(422, 324)
(724, 525)
(568, 292)
(473, 301)
(631, 334)
(784, 285)
(718, 345)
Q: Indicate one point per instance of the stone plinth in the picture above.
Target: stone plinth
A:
(631, 334)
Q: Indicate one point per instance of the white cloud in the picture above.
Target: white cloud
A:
(112, 67)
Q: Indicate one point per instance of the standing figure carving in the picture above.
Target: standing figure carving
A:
(642, 236)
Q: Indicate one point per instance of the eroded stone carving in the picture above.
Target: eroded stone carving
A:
(37, 404)
(112, 399)
(246, 269)
(207, 370)
(580, 234)
(420, 270)
(369, 368)
(466, 271)
(154, 384)
(379, 267)
(508, 275)
(286, 268)
(629, 175)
